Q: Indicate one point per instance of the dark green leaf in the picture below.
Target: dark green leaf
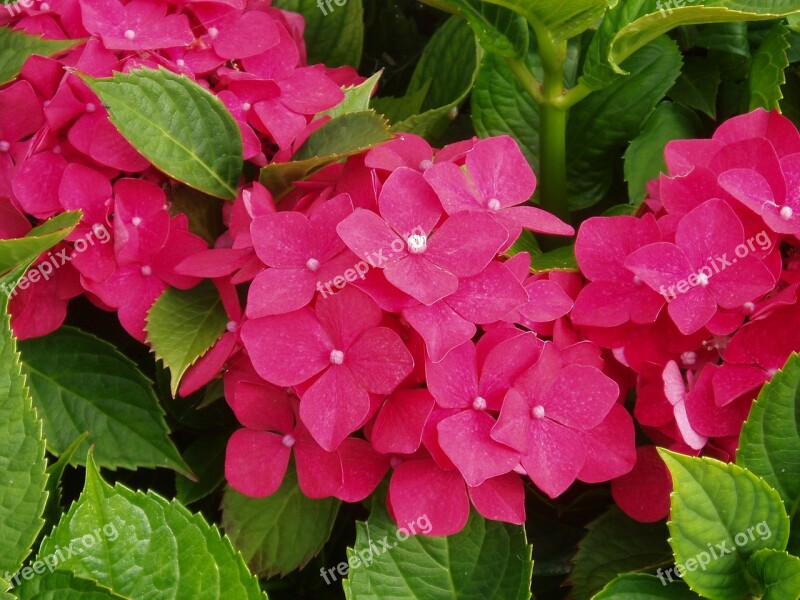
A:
(644, 158)
(282, 532)
(500, 30)
(81, 383)
(698, 85)
(206, 458)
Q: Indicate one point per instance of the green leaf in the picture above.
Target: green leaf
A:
(356, 98)
(334, 32)
(17, 251)
(778, 571)
(143, 546)
(22, 461)
(62, 585)
(633, 24)
(644, 158)
(500, 31)
(698, 85)
(769, 445)
(180, 127)
(81, 383)
(560, 259)
(339, 138)
(603, 123)
(487, 560)
(279, 533)
(52, 511)
(562, 19)
(448, 68)
(399, 109)
(182, 325)
(720, 515)
(16, 47)
(206, 458)
(501, 105)
(766, 73)
(638, 586)
(615, 544)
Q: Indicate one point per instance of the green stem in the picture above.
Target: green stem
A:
(553, 130)
(526, 79)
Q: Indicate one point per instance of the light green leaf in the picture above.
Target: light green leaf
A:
(279, 533)
(602, 124)
(698, 85)
(561, 19)
(143, 546)
(633, 24)
(334, 32)
(560, 259)
(356, 98)
(62, 585)
(17, 251)
(182, 325)
(615, 544)
(644, 158)
(16, 47)
(206, 458)
(81, 383)
(769, 445)
(766, 72)
(487, 560)
(500, 31)
(447, 69)
(779, 572)
(339, 138)
(720, 515)
(638, 586)
(180, 127)
(22, 462)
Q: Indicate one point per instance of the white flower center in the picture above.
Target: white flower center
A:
(337, 357)
(180, 62)
(129, 34)
(538, 412)
(232, 326)
(45, 7)
(288, 440)
(90, 107)
(749, 308)
(494, 204)
(702, 279)
(246, 106)
(57, 149)
(479, 403)
(417, 243)
(136, 221)
(637, 281)
(425, 165)
(312, 264)
(147, 270)
(786, 213)
(213, 32)
(4, 146)
(689, 358)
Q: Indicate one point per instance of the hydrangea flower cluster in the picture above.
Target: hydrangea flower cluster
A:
(390, 328)
(698, 297)
(59, 151)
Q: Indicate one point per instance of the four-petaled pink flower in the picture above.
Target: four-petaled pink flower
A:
(340, 343)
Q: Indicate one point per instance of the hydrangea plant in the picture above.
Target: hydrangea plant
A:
(452, 299)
